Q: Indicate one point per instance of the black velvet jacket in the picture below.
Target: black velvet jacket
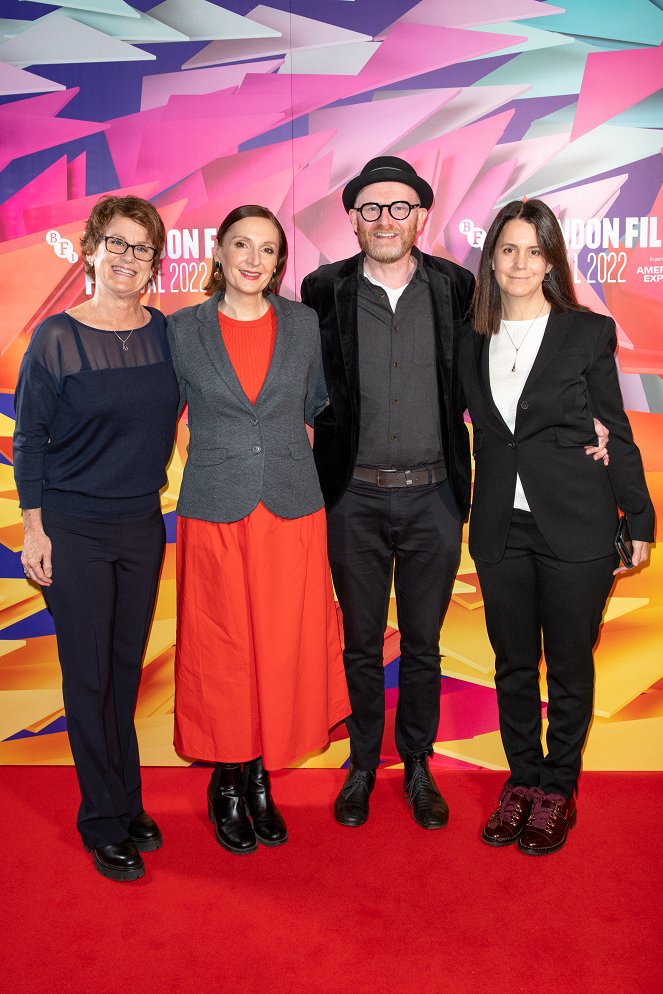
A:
(332, 292)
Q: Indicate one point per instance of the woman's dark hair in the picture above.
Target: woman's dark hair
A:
(557, 287)
(135, 208)
(216, 281)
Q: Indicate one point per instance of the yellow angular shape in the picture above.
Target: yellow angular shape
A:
(11, 645)
(334, 756)
(19, 709)
(38, 750)
(7, 426)
(482, 750)
(155, 742)
(48, 719)
(7, 482)
(10, 512)
(22, 607)
(617, 607)
(611, 745)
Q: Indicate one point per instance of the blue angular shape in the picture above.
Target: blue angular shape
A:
(59, 725)
(40, 623)
(170, 521)
(7, 405)
(10, 564)
(391, 671)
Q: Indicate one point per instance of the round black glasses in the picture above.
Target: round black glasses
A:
(118, 246)
(399, 210)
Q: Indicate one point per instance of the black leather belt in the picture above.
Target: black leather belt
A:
(401, 477)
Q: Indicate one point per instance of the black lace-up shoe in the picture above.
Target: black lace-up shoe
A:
(429, 809)
(351, 805)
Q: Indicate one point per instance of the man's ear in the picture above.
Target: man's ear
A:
(422, 215)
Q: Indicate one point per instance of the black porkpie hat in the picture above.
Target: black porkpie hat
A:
(387, 169)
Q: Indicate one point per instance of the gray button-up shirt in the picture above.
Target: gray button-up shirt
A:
(400, 411)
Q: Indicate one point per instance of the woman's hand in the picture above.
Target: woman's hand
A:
(599, 451)
(36, 555)
(639, 556)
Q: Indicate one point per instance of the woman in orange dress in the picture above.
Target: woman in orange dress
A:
(259, 677)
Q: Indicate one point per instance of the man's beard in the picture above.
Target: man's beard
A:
(387, 249)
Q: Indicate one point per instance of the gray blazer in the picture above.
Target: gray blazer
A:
(242, 453)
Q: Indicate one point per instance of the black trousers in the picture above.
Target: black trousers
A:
(532, 599)
(104, 587)
(413, 533)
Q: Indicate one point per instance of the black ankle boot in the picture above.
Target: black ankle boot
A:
(227, 810)
(268, 823)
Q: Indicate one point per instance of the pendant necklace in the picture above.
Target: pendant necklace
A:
(125, 340)
(518, 347)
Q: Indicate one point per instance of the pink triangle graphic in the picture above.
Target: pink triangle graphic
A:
(613, 82)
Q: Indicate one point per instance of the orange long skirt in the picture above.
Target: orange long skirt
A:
(258, 665)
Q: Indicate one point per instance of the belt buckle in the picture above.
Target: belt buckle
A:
(379, 476)
(408, 478)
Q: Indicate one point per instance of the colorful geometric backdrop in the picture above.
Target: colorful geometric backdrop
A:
(202, 106)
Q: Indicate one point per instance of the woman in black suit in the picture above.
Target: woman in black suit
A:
(536, 370)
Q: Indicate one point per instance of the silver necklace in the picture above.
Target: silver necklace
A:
(519, 347)
(125, 340)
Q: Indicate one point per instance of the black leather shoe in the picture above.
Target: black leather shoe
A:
(429, 809)
(351, 805)
(268, 823)
(144, 833)
(120, 861)
(227, 810)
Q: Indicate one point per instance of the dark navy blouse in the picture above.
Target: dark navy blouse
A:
(95, 419)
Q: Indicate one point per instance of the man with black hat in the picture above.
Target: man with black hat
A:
(393, 457)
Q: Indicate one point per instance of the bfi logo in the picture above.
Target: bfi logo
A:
(475, 236)
(61, 246)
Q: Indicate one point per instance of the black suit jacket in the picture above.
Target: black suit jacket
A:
(332, 292)
(574, 499)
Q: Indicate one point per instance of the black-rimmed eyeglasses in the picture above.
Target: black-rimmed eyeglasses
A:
(399, 210)
(118, 246)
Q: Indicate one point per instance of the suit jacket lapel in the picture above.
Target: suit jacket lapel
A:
(483, 363)
(557, 329)
(210, 333)
(282, 344)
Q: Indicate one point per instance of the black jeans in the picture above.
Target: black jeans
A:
(532, 598)
(414, 533)
(105, 580)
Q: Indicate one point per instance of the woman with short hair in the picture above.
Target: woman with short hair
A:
(96, 408)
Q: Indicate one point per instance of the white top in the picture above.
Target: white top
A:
(393, 295)
(506, 383)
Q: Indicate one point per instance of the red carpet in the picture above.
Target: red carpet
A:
(385, 908)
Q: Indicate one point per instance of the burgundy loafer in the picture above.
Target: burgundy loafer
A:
(508, 820)
(551, 817)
